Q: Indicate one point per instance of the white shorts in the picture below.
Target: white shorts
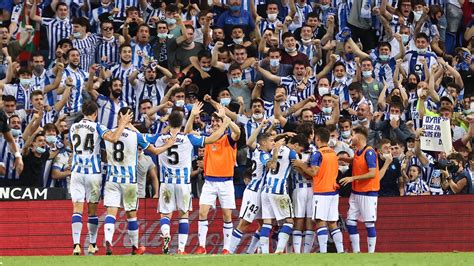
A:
(326, 207)
(302, 202)
(224, 191)
(174, 197)
(276, 206)
(362, 208)
(121, 195)
(85, 187)
(251, 208)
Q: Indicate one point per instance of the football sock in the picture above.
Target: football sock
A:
(165, 226)
(109, 228)
(308, 241)
(254, 243)
(76, 225)
(297, 237)
(183, 231)
(322, 234)
(227, 232)
(202, 232)
(264, 238)
(371, 236)
(285, 232)
(337, 237)
(133, 231)
(353, 235)
(93, 226)
(235, 240)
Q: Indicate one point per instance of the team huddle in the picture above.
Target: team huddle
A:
(305, 160)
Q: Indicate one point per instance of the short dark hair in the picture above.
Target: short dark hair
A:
(287, 35)
(386, 44)
(145, 101)
(263, 137)
(339, 63)
(61, 4)
(257, 100)
(234, 66)
(175, 119)
(323, 134)
(35, 93)
(82, 21)
(422, 35)
(131, 9)
(50, 127)
(274, 50)
(361, 131)
(72, 50)
(305, 128)
(300, 139)
(457, 157)
(355, 86)
(204, 54)
(124, 46)
(9, 98)
(331, 128)
(64, 41)
(171, 8)
(125, 109)
(397, 104)
(89, 108)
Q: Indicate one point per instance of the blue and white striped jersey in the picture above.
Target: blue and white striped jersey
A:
(8, 158)
(412, 63)
(94, 18)
(417, 187)
(277, 179)
(108, 111)
(122, 73)
(79, 79)
(56, 30)
(109, 49)
(140, 52)
(43, 80)
(48, 117)
(298, 180)
(144, 90)
(259, 169)
(122, 157)
(87, 48)
(294, 94)
(176, 162)
(122, 6)
(153, 12)
(21, 94)
(85, 137)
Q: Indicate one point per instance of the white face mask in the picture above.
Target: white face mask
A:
(332, 142)
(238, 41)
(343, 168)
(274, 62)
(272, 17)
(179, 103)
(307, 41)
(323, 91)
(257, 116)
(417, 15)
(419, 92)
(395, 117)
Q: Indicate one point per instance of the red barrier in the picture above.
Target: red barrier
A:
(408, 224)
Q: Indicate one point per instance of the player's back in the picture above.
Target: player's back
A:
(325, 180)
(85, 137)
(276, 180)
(122, 156)
(298, 180)
(259, 169)
(176, 162)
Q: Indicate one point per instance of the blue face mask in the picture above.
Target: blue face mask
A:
(274, 62)
(16, 132)
(40, 150)
(76, 35)
(324, 7)
(225, 101)
(234, 8)
(236, 80)
(367, 74)
(349, 56)
(51, 139)
(327, 110)
(162, 35)
(170, 21)
(206, 69)
(384, 57)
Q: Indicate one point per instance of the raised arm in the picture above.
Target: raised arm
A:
(33, 15)
(58, 106)
(357, 51)
(257, 90)
(335, 111)
(197, 109)
(124, 120)
(215, 55)
(252, 140)
(216, 135)
(431, 89)
(267, 74)
(419, 154)
(57, 81)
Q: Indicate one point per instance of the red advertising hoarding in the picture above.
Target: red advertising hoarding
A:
(408, 224)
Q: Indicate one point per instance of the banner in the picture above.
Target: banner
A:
(32, 193)
(437, 134)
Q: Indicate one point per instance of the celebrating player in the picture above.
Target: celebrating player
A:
(86, 178)
(276, 203)
(176, 167)
(121, 186)
(251, 208)
(219, 162)
(324, 171)
(365, 186)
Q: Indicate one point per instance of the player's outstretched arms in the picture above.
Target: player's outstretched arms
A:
(216, 135)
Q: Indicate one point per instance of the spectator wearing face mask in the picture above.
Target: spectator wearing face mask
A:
(455, 179)
(394, 128)
(389, 171)
(337, 145)
(235, 16)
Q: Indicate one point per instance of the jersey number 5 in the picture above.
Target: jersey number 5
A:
(173, 156)
(277, 167)
(87, 146)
